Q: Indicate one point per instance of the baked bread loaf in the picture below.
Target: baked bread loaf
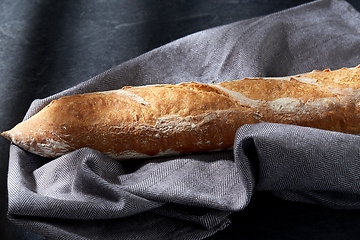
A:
(161, 120)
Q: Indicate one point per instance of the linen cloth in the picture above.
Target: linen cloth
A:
(86, 195)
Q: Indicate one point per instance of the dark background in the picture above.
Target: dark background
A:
(49, 45)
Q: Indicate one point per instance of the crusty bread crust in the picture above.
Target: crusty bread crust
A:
(161, 120)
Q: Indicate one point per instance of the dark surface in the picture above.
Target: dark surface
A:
(48, 46)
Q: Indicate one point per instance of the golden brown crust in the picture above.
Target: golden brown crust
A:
(161, 120)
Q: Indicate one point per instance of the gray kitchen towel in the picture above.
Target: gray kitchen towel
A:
(86, 195)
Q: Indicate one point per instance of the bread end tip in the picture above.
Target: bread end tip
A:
(6, 135)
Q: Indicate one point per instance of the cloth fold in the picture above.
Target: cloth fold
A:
(302, 164)
(85, 195)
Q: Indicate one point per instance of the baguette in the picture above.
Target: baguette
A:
(162, 120)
